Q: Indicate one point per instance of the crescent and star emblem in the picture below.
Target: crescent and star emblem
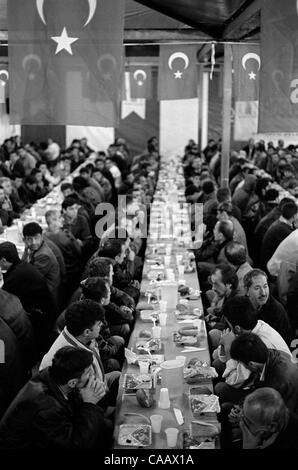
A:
(253, 56)
(64, 41)
(108, 58)
(142, 73)
(178, 55)
(31, 58)
(6, 74)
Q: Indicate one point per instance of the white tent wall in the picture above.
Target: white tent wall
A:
(99, 138)
(7, 130)
(178, 124)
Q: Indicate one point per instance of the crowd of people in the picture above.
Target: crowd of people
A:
(68, 304)
(247, 267)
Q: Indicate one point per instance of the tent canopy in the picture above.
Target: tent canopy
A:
(216, 19)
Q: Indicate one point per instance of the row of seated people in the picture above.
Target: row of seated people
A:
(250, 328)
(67, 309)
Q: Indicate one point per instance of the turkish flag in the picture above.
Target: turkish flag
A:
(278, 106)
(177, 73)
(140, 82)
(64, 61)
(246, 65)
(4, 77)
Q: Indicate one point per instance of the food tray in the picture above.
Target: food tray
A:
(183, 340)
(135, 435)
(154, 345)
(204, 403)
(133, 382)
(149, 315)
(198, 442)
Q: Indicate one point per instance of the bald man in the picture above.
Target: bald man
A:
(267, 423)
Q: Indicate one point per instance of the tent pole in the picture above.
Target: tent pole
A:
(226, 116)
(200, 99)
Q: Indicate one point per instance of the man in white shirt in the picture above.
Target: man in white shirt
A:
(53, 150)
(115, 172)
(241, 317)
(283, 263)
(83, 320)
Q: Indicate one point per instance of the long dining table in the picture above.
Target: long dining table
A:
(169, 232)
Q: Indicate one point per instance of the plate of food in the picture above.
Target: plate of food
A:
(183, 290)
(198, 442)
(136, 435)
(204, 403)
(149, 315)
(190, 268)
(153, 359)
(133, 382)
(186, 316)
(183, 340)
(198, 371)
(156, 274)
(144, 345)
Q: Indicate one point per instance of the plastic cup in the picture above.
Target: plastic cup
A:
(181, 359)
(144, 367)
(167, 260)
(172, 435)
(156, 331)
(156, 421)
(163, 319)
(163, 306)
(179, 259)
(181, 271)
(168, 250)
(164, 399)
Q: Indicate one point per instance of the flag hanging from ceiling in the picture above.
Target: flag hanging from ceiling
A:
(140, 82)
(246, 65)
(65, 60)
(278, 107)
(177, 72)
(4, 76)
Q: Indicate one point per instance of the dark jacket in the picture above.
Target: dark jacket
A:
(12, 369)
(282, 375)
(274, 236)
(275, 315)
(69, 248)
(46, 263)
(40, 417)
(287, 438)
(25, 281)
(12, 312)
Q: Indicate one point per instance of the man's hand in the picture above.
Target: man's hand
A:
(93, 392)
(227, 338)
(126, 309)
(131, 255)
(136, 284)
(235, 414)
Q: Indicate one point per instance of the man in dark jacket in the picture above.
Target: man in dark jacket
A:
(266, 423)
(12, 312)
(12, 368)
(40, 255)
(115, 249)
(57, 409)
(269, 310)
(70, 248)
(24, 280)
(278, 231)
